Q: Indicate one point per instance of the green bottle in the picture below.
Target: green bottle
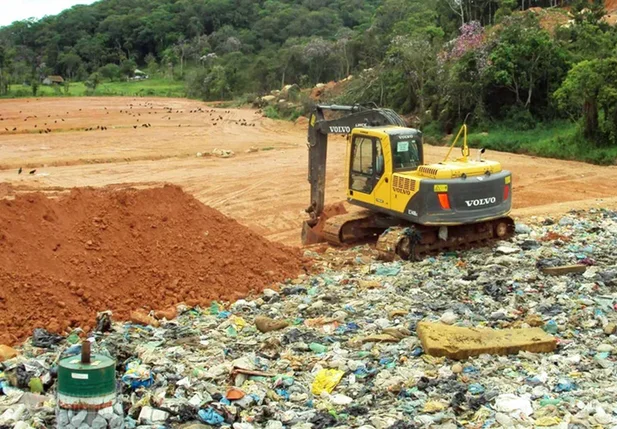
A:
(318, 348)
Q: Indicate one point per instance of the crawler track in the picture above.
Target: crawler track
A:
(410, 241)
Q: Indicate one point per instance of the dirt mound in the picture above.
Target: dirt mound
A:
(63, 259)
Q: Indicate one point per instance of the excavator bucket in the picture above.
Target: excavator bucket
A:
(312, 230)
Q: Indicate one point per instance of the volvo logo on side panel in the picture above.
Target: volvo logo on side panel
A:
(481, 202)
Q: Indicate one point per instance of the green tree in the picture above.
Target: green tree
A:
(128, 67)
(591, 88)
(110, 71)
(525, 59)
(69, 63)
(418, 59)
(93, 81)
(3, 64)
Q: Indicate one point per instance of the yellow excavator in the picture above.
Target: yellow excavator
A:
(410, 208)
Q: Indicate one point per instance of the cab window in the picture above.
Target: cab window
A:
(366, 164)
(405, 154)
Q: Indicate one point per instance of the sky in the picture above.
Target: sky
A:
(16, 10)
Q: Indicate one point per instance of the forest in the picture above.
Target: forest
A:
(519, 65)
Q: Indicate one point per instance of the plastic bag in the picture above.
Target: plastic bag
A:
(326, 380)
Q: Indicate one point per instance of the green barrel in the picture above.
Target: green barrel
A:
(78, 380)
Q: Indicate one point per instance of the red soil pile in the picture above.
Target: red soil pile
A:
(64, 259)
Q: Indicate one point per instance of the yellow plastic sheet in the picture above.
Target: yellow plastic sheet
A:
(326, 380)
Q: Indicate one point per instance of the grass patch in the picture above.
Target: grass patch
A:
(559, 139)
(267, 148)
(271, 112)
(284, 113)
(144, 88)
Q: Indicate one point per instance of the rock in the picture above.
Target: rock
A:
(116, 422)
(79, 418)
(457, 368)
(605, 348)
(269, 293)
(610, 328)
(141, 318)
(169, 314)
(460, 343)
(265, 324)
(62, 418)
(534, 320)
(107, 413)
(223, 153)
(521, 228)
(99, 423)
(7, 353)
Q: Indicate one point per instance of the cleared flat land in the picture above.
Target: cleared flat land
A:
(265, 190)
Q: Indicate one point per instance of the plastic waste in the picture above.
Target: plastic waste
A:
(326, 380)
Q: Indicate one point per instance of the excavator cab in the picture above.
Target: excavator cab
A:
(373, 154)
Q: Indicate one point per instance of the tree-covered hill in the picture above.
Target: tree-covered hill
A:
(515, 63)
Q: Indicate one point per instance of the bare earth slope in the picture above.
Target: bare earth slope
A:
(264, 190)
(66, 257)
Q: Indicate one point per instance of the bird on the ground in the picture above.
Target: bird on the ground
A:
(33, 171)
(19, 171)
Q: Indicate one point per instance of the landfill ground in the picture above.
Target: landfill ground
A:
(231, 329)
(265, 190)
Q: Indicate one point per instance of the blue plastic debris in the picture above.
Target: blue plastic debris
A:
(211, 417)
(476, 389)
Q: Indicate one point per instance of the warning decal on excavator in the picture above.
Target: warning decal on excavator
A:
(313, 120)
(508, 180)
(441, 188)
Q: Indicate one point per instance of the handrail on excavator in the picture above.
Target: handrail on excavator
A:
(465, 148)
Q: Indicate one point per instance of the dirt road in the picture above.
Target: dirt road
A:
(265, 189)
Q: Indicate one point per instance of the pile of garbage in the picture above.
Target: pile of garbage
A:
(341, 348)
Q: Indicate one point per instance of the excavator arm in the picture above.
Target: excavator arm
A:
(356, 116)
